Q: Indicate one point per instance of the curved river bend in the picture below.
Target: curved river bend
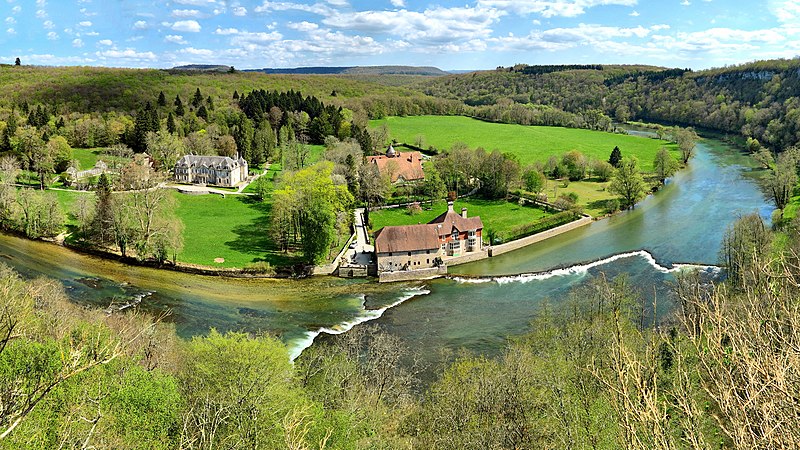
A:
(682, 224)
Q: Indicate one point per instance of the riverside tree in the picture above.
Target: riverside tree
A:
(308, 207)
(664, 164)
(628, 183)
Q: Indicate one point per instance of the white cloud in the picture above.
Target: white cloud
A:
(240, 11)
(189, 26)
(338, 3)
(126, 54)
(244, 37)
(317, 8)
(85, 23)
(16, 10)
(786, 11)
(186, 13)
(92, 33)
(226, 31)
(107, 42)
(303, 26)
(660, 27)
(52, 36)
(41, 14)
(551, 8)
(140, 25)
(196, 2)
(436, 25)
(175, 39)
(10, 21)
(11, 31)
(48, 24)
(399, 3)
(686, 3)
(77, 43)
(197, 52)
(634, 14)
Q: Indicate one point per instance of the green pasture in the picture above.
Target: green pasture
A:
(529, 143)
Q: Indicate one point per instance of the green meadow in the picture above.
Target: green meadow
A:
(529, 143)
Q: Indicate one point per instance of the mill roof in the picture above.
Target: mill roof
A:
(406, 238)
(450, 219)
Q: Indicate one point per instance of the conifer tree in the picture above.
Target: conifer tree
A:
(179, 111)
(210, 103)
(197, 100)
(616, 157)
(171, 123)
(235, 95)
(202, 113)
(162, 100)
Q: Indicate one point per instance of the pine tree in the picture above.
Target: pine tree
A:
(25, 108)
(171, 124)
(210, 103)
(616, 157)
(162, 100)
(197, 100)
(179, 111)
(5, 141)
(235, 95)
(60, 123)
(146, 121)
(17, 62)
(203, 113)
(11, 123)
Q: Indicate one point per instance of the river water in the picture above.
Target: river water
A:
(478, 308)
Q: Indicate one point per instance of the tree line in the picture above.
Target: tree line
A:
(598, 372)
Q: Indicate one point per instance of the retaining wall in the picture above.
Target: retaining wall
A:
(412, 275)
(468, 258)
(519, 243)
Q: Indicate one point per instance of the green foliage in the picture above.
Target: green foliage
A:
(555, 220)
(628, 183)
(616, 157)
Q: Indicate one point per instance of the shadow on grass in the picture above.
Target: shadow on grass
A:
(254, 239)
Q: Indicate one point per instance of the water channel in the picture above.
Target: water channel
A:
(478, 308)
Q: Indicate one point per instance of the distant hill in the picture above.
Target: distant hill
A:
(358, 70)
(204, 67)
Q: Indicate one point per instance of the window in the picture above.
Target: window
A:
(409, 253)
(455, 235)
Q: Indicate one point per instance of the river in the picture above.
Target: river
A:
(681, 224)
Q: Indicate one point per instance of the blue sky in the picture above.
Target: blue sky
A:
(466, 34)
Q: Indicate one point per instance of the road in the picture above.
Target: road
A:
(364, 252)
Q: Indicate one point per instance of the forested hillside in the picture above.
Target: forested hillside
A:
(758, 100)
(97, 89)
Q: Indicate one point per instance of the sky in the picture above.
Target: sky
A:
(452, 35)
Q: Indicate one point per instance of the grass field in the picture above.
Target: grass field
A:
(529, 143)
(86, 157)
(498, 215)
(234, 228)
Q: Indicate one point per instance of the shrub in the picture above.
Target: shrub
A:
(413, 209)
(260, 267)
(612, 206)
(545, 224)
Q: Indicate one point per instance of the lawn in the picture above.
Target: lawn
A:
(87, 157)
(498, 215)
(529, 143)
(235, 228)
(592, 196)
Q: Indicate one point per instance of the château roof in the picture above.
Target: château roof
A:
(403, 165)
(216, 162)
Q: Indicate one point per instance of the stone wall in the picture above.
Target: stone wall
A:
(412, 275)
(417, 260)
(538, 237)
(467, 258)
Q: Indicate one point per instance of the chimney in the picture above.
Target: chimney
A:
(464, 212)
(450, 207)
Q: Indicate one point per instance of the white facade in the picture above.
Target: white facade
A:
(217, 170)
